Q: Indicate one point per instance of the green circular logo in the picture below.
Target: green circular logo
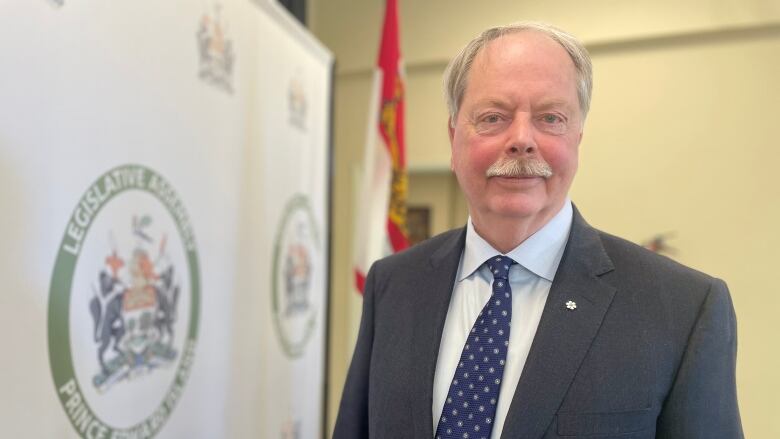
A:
(297, 271)
(123, 308)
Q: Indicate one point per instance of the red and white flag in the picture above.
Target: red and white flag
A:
(381, 223)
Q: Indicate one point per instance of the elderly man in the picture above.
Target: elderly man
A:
(528, 323)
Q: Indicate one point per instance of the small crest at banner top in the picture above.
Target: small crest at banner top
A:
(298, 103)
(291, 429)
(215, 50)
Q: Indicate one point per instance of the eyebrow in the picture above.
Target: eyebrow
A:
(553, 103)
(492, 102)
(544, 105)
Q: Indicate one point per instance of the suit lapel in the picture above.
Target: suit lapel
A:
(563, 336)
(435, 291)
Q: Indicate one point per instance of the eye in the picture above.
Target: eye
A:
(491, 123)
(492, 118)
(552, 123)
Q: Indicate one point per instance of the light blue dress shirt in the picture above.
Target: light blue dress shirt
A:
(537, 261)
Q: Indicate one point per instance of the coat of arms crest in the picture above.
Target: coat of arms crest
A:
(216, 51)
(134, 309)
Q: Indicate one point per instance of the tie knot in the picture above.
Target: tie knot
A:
(499, 266)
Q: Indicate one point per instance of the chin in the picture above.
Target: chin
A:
(519, 205)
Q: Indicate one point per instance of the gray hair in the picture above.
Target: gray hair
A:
(457, 73)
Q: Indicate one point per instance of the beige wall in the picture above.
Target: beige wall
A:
(679, 140)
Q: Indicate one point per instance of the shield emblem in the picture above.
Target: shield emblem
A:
(139, 309)
(138, 312)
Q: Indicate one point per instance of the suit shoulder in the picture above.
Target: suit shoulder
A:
(409, 266)
(420, 252)
(628, 256)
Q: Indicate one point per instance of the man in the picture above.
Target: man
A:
(528, 323)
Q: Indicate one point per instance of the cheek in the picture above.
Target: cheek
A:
(563, 157)
(478, 164)
(481, 157)
(470, 157)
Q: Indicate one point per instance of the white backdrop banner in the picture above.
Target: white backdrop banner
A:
(164, 173)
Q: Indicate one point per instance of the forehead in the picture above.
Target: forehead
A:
(522, 62)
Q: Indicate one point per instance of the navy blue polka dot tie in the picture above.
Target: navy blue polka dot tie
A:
(470, 407)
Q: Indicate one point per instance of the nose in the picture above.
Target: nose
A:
(521, 137)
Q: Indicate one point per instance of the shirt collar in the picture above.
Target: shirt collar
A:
(540, 253)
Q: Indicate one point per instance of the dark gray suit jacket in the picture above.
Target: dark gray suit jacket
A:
(648, 353)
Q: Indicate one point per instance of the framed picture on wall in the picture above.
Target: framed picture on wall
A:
(418, 220)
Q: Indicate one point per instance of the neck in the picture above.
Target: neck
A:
(505, 233)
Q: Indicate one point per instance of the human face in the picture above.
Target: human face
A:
(520, 102)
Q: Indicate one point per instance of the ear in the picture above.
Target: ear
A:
(451, 133)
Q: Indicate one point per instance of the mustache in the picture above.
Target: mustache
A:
(519, 167)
